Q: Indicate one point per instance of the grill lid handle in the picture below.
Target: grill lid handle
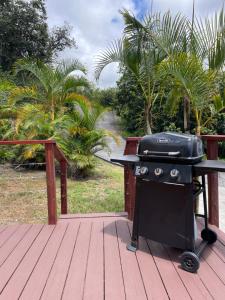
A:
(148, 152)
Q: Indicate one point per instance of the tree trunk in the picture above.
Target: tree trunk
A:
(148, 118)
(198, 130)
(186, 114)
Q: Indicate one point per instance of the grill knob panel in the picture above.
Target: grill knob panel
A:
(144, 171)
(158, 172)
(174, 173)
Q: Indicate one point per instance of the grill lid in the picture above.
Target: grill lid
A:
(171, 146)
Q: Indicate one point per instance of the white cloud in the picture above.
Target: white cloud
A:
(96, 23)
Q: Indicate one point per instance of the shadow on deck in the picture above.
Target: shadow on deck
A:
(85, 257)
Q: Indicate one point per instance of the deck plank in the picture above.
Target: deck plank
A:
(114, 287)
(153, 283)
(12, 242)
(94, 281)
(75, 280)
(94, 215)
(215, 262)
(172, 281)
(86, 258)
(57, 277)
(134, 287)
(2, 228)
(19, 278)
(12, 262)
(39, 276)
(7, 233)
(211, 280)
(219, 249)
(192, 282)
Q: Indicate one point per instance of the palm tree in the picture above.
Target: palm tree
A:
(194, 71)
(183, 77)
(143, 46)
(78, 137)
(52, 107)
(146, 44)
(50, 86)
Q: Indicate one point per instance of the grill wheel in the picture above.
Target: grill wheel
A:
(190, 261)
(209, 236)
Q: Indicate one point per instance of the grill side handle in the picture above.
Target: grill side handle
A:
(160, 153)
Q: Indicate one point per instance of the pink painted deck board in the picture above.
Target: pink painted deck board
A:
(94, 281)
(18, 280)
(211, 280)
(76, 275)
(86, 258)
(41, 272)
(2, 228)
(152, 280)
(57, 277)
(114, 287)
(171, 279)
(94, 215)
(192, 282)
(12, 242)
(7, 233)
(134, 286)
(13, 261)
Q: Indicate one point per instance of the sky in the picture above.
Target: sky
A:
(96, 23)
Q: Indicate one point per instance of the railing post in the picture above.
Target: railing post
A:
(213, 197)
(129, 179)
(51, 184)
(63, 177)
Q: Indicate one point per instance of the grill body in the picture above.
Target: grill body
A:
(165, 167)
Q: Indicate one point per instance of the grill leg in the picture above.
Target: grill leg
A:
(205, 202)
(133, 246)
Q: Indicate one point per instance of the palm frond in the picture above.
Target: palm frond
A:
(114, 53)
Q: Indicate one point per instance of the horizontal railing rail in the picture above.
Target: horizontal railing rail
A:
(52, 152)
(213, 192)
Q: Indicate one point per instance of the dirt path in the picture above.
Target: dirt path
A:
(109, 121)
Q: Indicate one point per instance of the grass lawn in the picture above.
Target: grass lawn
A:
(23, 193)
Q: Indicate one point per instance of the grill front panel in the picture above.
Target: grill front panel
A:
(165, 213)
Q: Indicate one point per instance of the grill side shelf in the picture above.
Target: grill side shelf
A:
(125, 159)
(208, 166)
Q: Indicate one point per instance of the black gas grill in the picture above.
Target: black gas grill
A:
(167, 169)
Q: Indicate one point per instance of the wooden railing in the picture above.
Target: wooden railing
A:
(213, 194)
(52, 152)
(213, 184)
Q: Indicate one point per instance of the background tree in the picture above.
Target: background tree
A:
(184, 77)
(143, 46)
(129, 105)
(51, 106)
(24, 33)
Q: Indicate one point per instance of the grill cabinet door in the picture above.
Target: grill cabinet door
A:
(165, 213)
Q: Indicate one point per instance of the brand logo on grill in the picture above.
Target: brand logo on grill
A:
(163, 141)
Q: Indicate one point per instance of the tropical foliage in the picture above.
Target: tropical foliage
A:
(52, 107)
(162, 52)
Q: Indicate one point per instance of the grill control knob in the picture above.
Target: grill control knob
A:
(144, 171)
(158, 172)
(174, 173)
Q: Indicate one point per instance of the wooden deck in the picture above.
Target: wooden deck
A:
(85, 257)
